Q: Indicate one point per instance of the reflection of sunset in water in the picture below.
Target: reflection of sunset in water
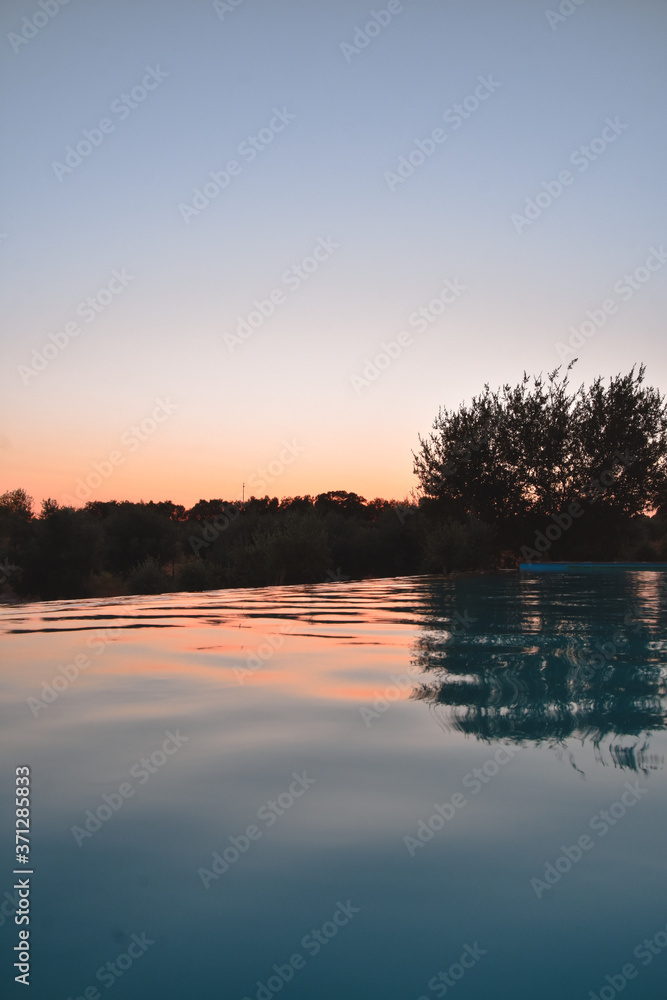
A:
(391, 697)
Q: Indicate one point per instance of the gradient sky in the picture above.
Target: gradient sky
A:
(221, 73)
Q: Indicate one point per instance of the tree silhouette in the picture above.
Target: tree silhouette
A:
(530, 450)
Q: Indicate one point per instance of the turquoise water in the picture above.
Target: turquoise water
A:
(389, 790)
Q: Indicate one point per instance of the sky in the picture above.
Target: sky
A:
(263, 241)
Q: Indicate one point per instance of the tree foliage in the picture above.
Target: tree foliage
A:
(531, 449)
(490, 473)
(16, 502)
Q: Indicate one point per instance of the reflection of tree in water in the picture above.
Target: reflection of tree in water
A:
(532, 671)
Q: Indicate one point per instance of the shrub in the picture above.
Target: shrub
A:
(148, 578)
(196, 575)
(454, 545)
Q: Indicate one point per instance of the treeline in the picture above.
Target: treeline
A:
(528, 472)
(115, 548)
(112, 548)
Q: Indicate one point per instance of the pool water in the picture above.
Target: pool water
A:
(390, 790)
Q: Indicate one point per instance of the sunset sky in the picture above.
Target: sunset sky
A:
(361, 176)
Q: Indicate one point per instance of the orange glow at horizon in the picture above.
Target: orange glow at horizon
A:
(73, 481)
